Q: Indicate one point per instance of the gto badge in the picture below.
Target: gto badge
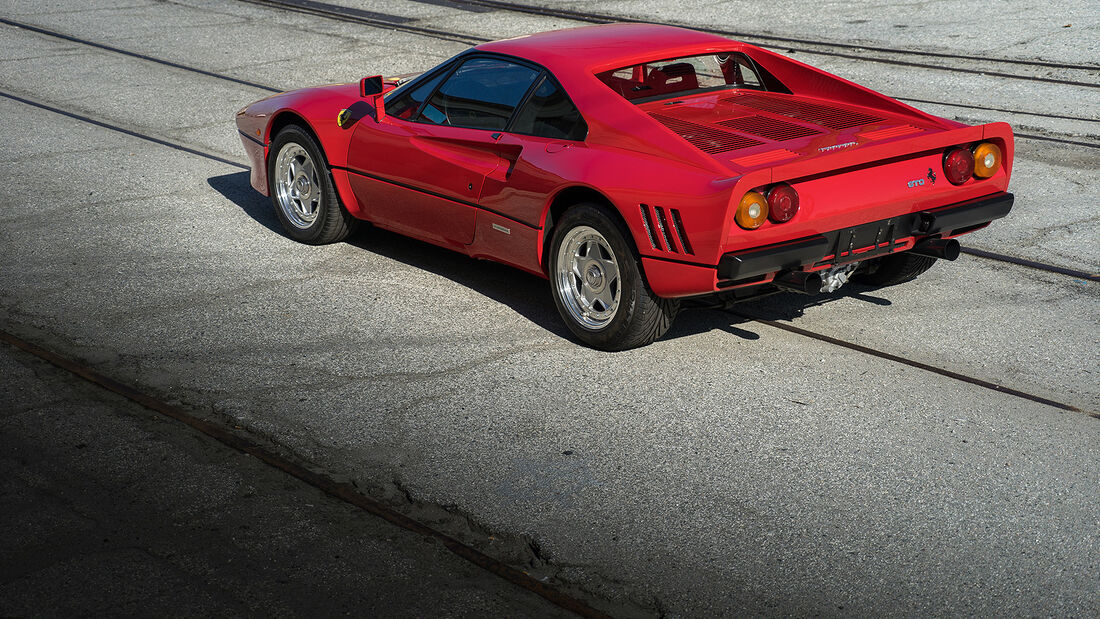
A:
(917, 182)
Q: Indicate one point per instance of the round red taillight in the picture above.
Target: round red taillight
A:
(958, 165)
(782, 203)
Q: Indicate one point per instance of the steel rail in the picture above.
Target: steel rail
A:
(604, 18)
(341, 490)
(118, 50)
(200, 153)
(356, 16)
(867, 350)
(989, 255)
(110, 48)
(193, 151)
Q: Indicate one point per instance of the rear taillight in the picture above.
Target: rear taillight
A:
(958, 165)
(753, 211)
(987, 159)
(782, 203)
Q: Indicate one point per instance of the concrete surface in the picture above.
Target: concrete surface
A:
(113, 510)
(730, 468)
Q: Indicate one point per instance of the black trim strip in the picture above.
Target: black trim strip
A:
(437, 195)
(248, 137)
(881, 235)
(687, 262)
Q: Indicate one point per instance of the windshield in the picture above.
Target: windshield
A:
(679, 76)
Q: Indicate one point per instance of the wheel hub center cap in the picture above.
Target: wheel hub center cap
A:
(593, 277)
(303, 186)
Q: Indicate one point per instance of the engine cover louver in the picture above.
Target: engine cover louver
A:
(665, 229)
(765, 157)
(710, 140)
(834, 118)
(890, 132)
(769, 128)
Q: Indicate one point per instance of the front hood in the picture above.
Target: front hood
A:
(748, 130)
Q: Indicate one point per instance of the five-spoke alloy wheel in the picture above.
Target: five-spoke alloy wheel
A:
(301, 189)
(598, 285)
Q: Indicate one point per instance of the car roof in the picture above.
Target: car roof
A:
(607, 46)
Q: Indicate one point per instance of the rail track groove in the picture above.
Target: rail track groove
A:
(787, 42)
(341, 490)
(315, 10)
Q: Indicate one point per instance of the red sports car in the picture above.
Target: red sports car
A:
(634, 166)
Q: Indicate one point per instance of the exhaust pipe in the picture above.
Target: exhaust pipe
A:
(938, 248)
(799, 281)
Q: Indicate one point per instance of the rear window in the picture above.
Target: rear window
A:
(685, 75)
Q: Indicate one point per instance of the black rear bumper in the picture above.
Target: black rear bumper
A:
(864, 241)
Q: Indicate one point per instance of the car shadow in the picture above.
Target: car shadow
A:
(529, 295)
(237, 188)
(526, 294)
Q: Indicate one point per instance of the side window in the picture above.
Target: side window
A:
(481, 94)
(405, 105)
(550, 114)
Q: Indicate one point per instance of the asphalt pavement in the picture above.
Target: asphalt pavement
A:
(730, 468)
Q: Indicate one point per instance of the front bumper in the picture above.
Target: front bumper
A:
(869, 240)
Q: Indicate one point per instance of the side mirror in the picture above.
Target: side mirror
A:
(371, 87)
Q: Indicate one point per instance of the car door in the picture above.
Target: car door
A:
(541, 150)
(421, 170)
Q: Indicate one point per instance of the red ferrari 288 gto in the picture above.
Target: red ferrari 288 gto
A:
(634, 166)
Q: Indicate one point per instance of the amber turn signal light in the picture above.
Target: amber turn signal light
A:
(987, 160)
(753, 211)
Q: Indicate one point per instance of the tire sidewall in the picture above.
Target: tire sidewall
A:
(630, 277)
(297, 135)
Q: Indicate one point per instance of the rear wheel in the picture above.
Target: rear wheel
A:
(301, 190)
(896, 269)
(598, 286)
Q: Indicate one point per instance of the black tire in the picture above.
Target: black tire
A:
(639, 316)
(895, 269)
(308, 217)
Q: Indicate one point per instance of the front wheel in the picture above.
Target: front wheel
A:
(598, 286)
(302, 191)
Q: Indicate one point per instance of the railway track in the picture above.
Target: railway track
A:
(1008, 68)
(344, 491)
(887, 55)
(349, 15)
(347, 492)
(984, 254)
(803, 332)
(824, 48)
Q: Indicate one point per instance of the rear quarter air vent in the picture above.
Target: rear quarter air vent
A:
(835, 118)
(665, 229)
(711, 140)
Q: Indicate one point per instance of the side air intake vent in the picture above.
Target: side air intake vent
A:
(768, 128)
(665, 229)
(707, 139)
(835, 118)
(647, 221)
